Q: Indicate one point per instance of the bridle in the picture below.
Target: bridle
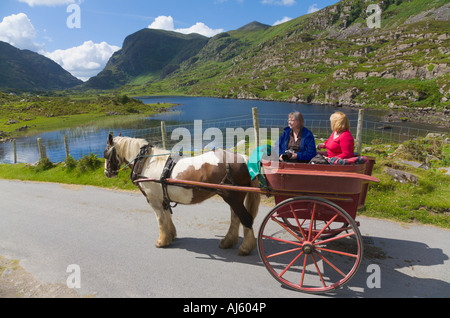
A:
(112, 164)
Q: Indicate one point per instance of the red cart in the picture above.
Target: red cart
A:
(310, 240)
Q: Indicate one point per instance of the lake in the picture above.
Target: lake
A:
(214, 112)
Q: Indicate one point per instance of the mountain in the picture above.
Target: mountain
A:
(253, 26)
(331, 56)
(27, 70)
(148, 52)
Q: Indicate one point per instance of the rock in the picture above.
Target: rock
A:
(434, 136)
(22, 128)
(112, 113)
(402, 176)
(415, 164)
(11, 122)
(360, 75)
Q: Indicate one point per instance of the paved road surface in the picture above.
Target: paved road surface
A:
(110, 235)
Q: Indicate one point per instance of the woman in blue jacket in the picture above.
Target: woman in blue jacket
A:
(296, 143)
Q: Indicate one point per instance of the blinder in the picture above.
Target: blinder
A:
(113, 165)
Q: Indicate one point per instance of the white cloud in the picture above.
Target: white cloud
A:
(279, 2)
(18, 31)
(285, 19)
(313, 8)
(48, 3)
(166, 23)
(83, 61)
(163, 23)
(200, 28)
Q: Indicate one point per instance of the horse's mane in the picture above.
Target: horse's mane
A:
(129, 147)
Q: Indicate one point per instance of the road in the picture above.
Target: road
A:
(110, 235)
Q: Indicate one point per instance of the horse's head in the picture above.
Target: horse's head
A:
(112, 159)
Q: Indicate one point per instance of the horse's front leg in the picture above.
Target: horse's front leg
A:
(167, 231)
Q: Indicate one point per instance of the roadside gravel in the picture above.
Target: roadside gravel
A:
(15, 282)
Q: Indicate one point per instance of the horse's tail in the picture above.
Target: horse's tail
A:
(252, 200)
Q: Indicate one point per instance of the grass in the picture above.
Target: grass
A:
(425, 203)
(86, 171)
(428, 202)
(26, 115)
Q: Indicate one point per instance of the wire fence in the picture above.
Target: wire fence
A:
(83, 141)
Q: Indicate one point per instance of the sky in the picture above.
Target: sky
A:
(81, 35)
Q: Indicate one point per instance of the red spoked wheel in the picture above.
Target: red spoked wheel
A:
(310, 244)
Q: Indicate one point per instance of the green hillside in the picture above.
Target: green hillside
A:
(328, 57)
(29, 71)
(149, 53)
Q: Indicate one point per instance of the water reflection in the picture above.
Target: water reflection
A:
(215, 112)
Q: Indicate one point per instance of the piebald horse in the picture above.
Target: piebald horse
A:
(216, 167)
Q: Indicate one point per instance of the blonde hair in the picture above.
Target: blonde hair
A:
(339, 122)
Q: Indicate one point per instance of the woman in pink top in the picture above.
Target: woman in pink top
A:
(341, 143)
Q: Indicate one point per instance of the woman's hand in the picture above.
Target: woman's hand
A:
(292, 156)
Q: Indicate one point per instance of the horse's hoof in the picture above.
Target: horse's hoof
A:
(224, 244)
(160, 244)
(243, 252)
(246, 249)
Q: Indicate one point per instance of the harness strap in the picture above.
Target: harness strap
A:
(167, 171)
(138, 164)
(228, 175)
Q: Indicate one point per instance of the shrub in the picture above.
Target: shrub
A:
(124, 99)
(70, 163)
(43, 165)
(431, 149)
(89, 163)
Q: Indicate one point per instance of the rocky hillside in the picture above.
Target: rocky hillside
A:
(148, 52)
(29, 71)
(328, 57)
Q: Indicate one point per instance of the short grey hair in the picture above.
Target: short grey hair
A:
(298, 116)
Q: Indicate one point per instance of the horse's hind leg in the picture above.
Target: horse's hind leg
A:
(239, 214)
(252, 201)
(249, 242)
(232, 237)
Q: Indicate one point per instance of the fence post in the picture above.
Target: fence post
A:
(256, 125)
(163, 134)
(15, 152)
(66, 146)
(41, 147)
(359, 131)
